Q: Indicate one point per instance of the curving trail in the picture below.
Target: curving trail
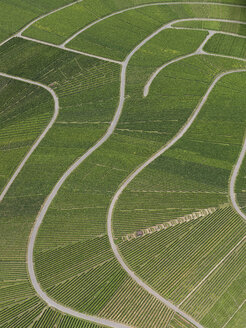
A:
(109, 132)
(150, 5)
(43, 134)
(178, 136)
(199, 51)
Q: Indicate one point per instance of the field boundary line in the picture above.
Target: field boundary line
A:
(116, 196)
(214, 268)
(68, 49)
(42, 135)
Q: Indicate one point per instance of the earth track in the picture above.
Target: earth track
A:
(110, 130)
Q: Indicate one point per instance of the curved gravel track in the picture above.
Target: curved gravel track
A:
(45, 206)
(43, 134)
(148, 5)
(178, 136)
(197, 52)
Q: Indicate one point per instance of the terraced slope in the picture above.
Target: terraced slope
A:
(179, 202)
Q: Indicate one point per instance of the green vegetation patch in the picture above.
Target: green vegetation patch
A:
(59, 26)
(116, 36)
(15, 14)
(25, 112)
(216, 26)
(227, 45)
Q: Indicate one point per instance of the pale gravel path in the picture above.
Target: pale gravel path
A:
(69, 50)
(199, 51)
(43, 134)
(148, 5)
(69, 171)
(139, 170)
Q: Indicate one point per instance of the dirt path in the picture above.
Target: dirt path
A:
(43, 134)
(109, 132)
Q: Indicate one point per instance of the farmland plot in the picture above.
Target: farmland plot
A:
(15, 14)
(25, 112)
(59, 26)
(227, 45)
(72, 242)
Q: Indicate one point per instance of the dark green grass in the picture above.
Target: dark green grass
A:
(227, 45)
(217, 26)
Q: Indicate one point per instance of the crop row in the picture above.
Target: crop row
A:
(148, 311)
(14, 15)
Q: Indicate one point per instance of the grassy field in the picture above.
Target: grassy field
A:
(88, 201)
(62, 145)
(133, 26)
(227, 45)
(196, 170)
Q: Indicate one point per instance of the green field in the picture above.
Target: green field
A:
(15, 14)
(227, 45)
(25, 112)
(192, 251)
(239, 29)
(58, 27)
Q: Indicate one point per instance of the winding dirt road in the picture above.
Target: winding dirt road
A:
(109, 132)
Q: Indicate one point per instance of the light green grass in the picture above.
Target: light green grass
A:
(216, 26)
(227, 45)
